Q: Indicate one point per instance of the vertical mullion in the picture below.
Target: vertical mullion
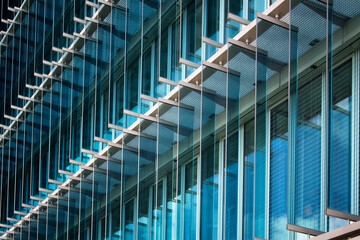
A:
(241, 168)
(71, 128)
(221, 189)
(139, 110)
(203, 45)
(164, 206)
(169, 57)
(267, 174)
(149, 216)
(42, 104)
(182, 192)
(246, 9)
(177, 191)
(17, 123)
(326, 132)
(157, 130)
(50, 100)
(324, 159)
(222, 21)
(255, 124)
(355, 133)
(122, 184)
(152, 78)
(292, 123)
(184, 43)
(198, 222)
(198, 210)
(108, 229)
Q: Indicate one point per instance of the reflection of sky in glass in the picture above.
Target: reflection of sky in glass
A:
(316, 120)
(213, 179)
(344, 104)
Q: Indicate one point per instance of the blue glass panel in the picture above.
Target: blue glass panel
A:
(278, 172)
(147, 161)
(76, 107)
(48, 219)
(54, 153)
(269, 64)
(248, 180)
(64, 127)
(99, 196)
(341, 116)
(114, 179)
(49, 23)
(231, 191)
(68, 21)
(84, 219)
(33, 228)
(189, 123)
(89, 97)
(74, 196)
(157, 209)
(212, 148)
(116, 81)
(150, 50)
(79, 12)
(339, 173)
(191, 32)
(308, 156)
(242, 61)
(102, 81)
(62, 216)
(167, 151)
(129, 223)
(211, 20)
(130, 174)
(133, 63)
(170, 43)
(45, 127)
(57, 28)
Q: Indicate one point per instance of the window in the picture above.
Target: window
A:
(340, 139)
(231, 177)
(190, 200)
(129, 226)
(278, 171)
(248, 180)
(308, 155)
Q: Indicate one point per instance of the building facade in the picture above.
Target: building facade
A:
(180, 119)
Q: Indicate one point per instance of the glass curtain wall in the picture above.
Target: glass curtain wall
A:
(134, 150)
(212, 150)
(342, 113)
(306, 123)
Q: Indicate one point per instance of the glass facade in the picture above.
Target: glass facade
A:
(179, 119)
